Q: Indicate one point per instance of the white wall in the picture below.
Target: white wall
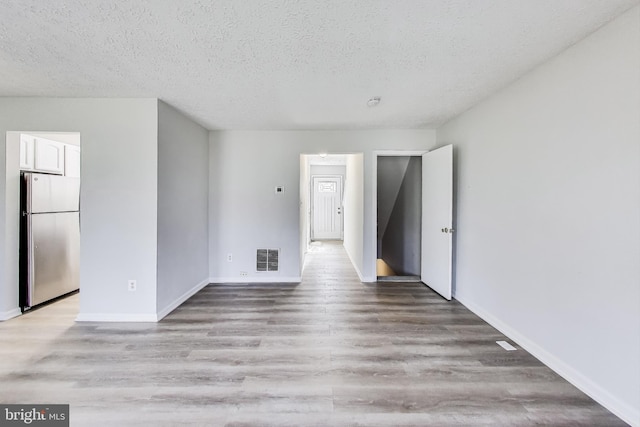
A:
(245, 213)
(354, 212)
(183, 191)
(304, 194)
(548, 208)
(118, 199)
(9, 226)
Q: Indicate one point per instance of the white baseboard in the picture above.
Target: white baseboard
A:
(626, 412)
(254, 279)
(117, 317)
(10, 314)
(362, 278)
(182, 298)
(141, 317)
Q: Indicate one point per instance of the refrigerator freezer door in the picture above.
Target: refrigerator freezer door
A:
(55, 254)
(52, 193)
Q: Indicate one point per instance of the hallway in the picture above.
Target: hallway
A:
(329, 351)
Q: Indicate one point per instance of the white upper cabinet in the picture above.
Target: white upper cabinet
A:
(49, 156)
(72, 161)
(26, 152)
(44, 155)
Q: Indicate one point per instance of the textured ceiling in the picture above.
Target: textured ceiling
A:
(289, 64)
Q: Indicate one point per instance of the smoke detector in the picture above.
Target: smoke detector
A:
(372, 102)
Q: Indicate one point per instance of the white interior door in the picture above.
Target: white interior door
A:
(327, 208)
(437, 219)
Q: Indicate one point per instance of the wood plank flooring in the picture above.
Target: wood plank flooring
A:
(329, 351)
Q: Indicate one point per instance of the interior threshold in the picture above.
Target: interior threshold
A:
(398, 279)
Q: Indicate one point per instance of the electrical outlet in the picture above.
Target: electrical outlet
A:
(244, 273)
(132, 284)
(229, 257)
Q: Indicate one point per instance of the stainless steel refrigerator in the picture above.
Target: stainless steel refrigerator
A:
(50, 237)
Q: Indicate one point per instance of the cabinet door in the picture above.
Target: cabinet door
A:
(49, 156)
(26, 152)
(72, 161)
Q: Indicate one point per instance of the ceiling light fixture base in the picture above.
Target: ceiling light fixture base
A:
(372, 102)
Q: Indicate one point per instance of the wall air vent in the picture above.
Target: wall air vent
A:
(267, 259)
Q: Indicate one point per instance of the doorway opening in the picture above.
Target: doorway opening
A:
(331, 204)
(399, 209)
(326, 206)
(327, 174)
(43, 196)
(417, 185)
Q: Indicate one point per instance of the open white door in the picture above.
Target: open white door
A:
(437, 219)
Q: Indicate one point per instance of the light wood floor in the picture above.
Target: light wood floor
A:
(329, 351)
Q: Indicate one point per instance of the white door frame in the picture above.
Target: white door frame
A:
(374, 206)
(312, 179)
(12, 203)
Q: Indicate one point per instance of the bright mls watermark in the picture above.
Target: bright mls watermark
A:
(34, 415)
